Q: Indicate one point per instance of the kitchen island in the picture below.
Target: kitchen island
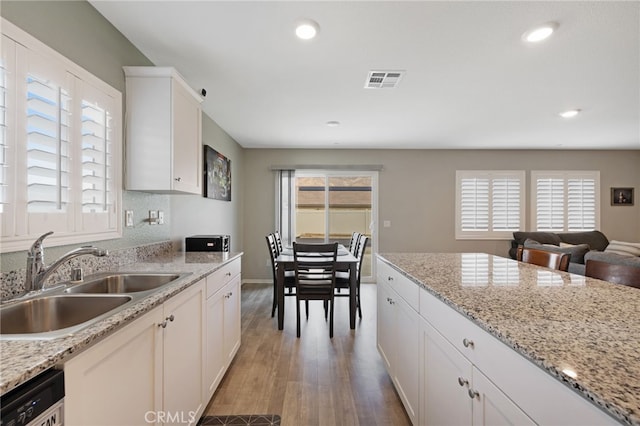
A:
(581, 332)
(21, 360)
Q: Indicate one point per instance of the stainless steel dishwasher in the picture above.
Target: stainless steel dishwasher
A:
(40, 401)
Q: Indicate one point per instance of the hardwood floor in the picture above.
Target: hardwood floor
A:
(313, 380)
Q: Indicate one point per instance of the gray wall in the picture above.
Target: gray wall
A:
(417, 194)
(76, 30)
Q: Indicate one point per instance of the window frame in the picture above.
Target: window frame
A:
(565, 175)
(19, 229)
(489, 234)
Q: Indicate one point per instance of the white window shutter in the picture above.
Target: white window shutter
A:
(489, 204)
(566, 201)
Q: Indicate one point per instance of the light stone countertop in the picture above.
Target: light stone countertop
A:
(555, 319)
(21, 360)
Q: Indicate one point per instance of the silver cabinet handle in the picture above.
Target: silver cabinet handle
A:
(228, 295)
(228, 274)
(389, 278)
(467, 343)
(178, 179)
(462, 381)
(163, 324)
(473, 394)
(171, 317)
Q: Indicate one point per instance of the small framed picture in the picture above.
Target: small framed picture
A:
(621, 196)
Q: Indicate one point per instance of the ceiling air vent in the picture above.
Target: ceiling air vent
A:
(383, 79)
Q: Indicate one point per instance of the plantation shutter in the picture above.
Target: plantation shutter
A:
(566, 201)
(474, 203)
(489, 204)
(48, 100)
(581, 204)
(7, 97)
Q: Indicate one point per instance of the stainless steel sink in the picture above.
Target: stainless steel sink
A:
(55, 313)
(123, 283)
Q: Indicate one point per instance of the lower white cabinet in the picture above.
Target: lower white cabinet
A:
(222, 332)
(399, 345)
(148, 372)
(456, 393)
(118, 381)
(449, 371)
(164, 367)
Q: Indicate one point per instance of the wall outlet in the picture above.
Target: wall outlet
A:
(386, 224)
(153, 217)
(128, 218)
(160, 217)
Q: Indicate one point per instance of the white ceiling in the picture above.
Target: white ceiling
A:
(470, 81)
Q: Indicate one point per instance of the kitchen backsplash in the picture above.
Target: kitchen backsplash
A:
(12, 282)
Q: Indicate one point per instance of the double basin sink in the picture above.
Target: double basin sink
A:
(76, 306)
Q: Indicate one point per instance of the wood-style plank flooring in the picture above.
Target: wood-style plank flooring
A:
(313, 380)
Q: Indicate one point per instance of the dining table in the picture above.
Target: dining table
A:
(345, 260)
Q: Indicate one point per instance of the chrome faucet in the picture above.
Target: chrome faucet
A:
(37, 272)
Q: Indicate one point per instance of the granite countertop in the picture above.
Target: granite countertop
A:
(557, 320)
(21, 360)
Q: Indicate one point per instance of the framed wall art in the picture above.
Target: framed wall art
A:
(622, 196)
(217, 175)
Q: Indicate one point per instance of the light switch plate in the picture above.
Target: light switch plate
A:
(160, 217)
(386, 224)
(153, 217)
(128, 218)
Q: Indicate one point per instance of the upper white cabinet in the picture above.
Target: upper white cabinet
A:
(163, 132)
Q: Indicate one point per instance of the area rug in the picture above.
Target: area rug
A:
(241, 420)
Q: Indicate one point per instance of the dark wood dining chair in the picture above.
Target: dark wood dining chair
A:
(548, 259)
(289, 278)
(353, 244)
(618, 274)
(342, 278)
(278, 238)
(315, 276)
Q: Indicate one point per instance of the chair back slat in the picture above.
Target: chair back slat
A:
(614, 273)
(278, 239)
(547, 259)
(353, 244)
(315, 265)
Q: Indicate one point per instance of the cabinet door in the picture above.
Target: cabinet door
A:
(492, 407)
(118, 381)
(214, 349)
(447, 378)
(385, 325)
(231, 319)
(406, 358)
(183, 355)
(187, 145)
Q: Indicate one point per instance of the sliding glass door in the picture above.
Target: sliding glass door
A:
(329, 206)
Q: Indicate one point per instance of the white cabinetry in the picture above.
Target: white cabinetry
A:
(222, 324)
(116, 382)
(183, 353)
(449, 371)
(398, 336)
(505, 387)
(456, 393)
(163, 132)
(150, 372)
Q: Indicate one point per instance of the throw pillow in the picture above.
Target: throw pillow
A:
(623, 248)
(576, 251)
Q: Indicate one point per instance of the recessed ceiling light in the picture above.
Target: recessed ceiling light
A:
(570, 113)
(306, 29)
(540, 33)
(333, 123)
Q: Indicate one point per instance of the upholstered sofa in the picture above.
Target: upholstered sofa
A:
(581, 245)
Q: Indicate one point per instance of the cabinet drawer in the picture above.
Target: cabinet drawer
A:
(402, 285)
(458, 330)
(222, 276)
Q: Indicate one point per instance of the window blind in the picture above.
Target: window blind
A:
(97, 193)
(48, 116)
(566, 201)
(489, 203)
